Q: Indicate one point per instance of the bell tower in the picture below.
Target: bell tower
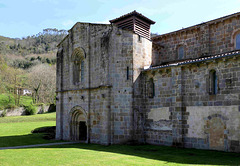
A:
(135, 22)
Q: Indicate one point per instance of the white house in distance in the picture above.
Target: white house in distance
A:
(23, 91)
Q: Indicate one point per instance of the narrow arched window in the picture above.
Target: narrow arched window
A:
(213, 82)
(127, 73)
(151, 88)
(78, 57)
(238, 41)
(76, 69)
(82, 71)
(180, 52)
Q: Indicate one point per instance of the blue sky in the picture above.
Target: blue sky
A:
(20, 18)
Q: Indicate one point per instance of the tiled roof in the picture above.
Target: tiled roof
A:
(133, 13)
(218, 56)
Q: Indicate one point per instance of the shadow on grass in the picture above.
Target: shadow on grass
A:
(167, 154)
(163, 153)
(19, 140)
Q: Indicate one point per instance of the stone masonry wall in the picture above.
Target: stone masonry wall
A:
(142, 56)
(192, 117)
(155, 116)
(129, 55)
(166, 106)
(209, 38)
(89, 92)
(106, 95)
(121, 102)
(217, 114)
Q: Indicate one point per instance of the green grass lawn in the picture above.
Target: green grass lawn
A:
(115, 155)
(17, 131)
(33, 118)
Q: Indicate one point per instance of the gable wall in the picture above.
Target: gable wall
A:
(107, 95)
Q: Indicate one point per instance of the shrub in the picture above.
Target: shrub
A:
(30, 110)
(1, 107)
(4, 113)
(38, 104)
(10, 106)
(48, 129)
(49, 132)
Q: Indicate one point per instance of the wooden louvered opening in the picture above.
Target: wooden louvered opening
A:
(142, 28)
(135, 22)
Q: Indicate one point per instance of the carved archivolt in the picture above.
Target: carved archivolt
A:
(78, 54)
(77, 116)
(77, 109)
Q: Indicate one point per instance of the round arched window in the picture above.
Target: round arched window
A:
(180, 52)
(238, 41)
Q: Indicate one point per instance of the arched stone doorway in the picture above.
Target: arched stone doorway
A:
(216, 131)
(78, 124)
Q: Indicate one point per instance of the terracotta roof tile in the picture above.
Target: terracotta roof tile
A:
(184, 62)
(133, 13)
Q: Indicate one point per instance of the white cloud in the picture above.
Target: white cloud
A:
(103, 22)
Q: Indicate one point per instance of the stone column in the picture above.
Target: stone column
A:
(59, 102)
(176, 108)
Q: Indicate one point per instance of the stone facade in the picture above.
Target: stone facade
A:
(130, 88)
(112, 61)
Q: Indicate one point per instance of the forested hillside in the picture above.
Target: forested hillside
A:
(41, 43)
(29, 63)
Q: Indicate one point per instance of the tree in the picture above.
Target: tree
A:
(3, 69)
(43, 42)
(43, 83)
(11, 80)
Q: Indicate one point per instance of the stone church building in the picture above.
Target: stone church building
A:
(116, 84)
